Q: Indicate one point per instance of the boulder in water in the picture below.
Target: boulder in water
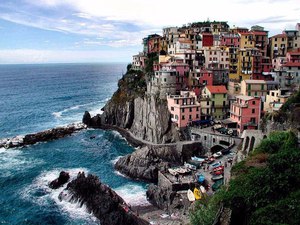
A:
(60, 181)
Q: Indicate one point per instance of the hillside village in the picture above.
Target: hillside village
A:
(210, 73)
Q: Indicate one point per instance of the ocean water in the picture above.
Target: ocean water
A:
(37, 97)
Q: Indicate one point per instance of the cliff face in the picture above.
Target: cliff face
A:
(145, 115)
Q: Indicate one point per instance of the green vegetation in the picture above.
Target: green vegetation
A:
(130, 86)
(151, 58)
(265, 188)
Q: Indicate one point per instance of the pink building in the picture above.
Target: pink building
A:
(199, 79)
(230, 40)
(293, 56)
(184, 108)
(245, 111)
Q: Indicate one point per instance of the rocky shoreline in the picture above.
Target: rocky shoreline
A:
(99, 199)
(43, 136)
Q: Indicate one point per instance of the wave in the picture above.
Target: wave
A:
(134, 195)
(114, 161)
(40, 193)
(93, 110)
(13, 160)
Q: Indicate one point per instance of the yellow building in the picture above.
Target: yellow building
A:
(214, 104)
(244, 69)
(233, 63)
(247, 40)
(275, 99)
(278, 44)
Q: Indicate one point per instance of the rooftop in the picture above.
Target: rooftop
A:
(221, 89)
(245, 97)
(255, 81)
(279, 36)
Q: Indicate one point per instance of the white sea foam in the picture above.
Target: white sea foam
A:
(114, 161)
(133, 194)
(40, 193)
(13, 160)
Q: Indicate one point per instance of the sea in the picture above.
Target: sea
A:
(37, 97)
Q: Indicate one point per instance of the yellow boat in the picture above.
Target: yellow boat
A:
(197, 194)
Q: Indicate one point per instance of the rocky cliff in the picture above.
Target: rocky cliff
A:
(131, 107)
(145, 162)
(100, 200)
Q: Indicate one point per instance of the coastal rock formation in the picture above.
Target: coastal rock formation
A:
(103, 202)
(60, 181)
(131, 107)
(146, 118)
(145, 162)
(46, 135)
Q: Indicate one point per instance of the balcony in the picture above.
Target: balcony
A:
(245, 105)
(289, 77)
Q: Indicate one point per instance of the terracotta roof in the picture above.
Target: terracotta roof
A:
(279, 36)
(217, 89)
(292, 64)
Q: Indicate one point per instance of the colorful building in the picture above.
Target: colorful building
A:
(275, 99)
(207, 39)
(257, 88)
(245, 111)
(184, 108)
(278, 45)
(214, 104)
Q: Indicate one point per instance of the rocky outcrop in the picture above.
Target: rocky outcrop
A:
(145, 162)
(46, 135)
(60, 181)
(146, 118)
(102, 201)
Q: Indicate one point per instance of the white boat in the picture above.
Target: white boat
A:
(197, 159)
(202, 189)
(191, 196)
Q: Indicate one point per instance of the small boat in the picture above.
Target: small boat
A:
(217, 185)
(194, 158)
(201, 178)
(218, 172)
(202, 189)
(218, 168)
(216, 164)
(191, 196)
(217, 154)
(217, 177)
(190, 166)
(172, 171)
(197, 193)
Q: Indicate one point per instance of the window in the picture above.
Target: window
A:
(207, 103)
(172, 108)
(255, 93)
(197, 116)
(262, 87)
(213, 95)
(191, 110)
(224, 95)
(249, 86)
(197, 109)
(204, 138)
(182, 110)
(190, 117)
(176, 117)
(182, 117)
(249, 93)
(253, 102)
(253, 110)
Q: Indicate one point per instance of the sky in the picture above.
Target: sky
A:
(72, 31)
